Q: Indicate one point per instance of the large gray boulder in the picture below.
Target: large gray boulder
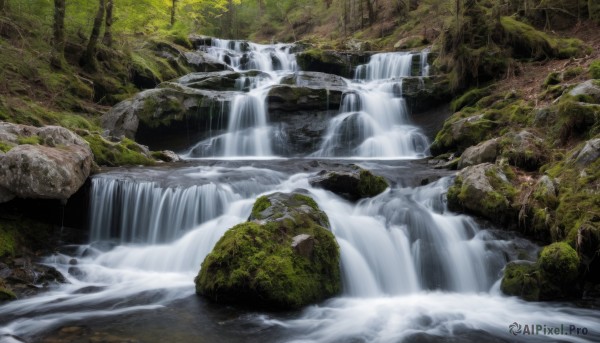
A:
(314, 79)
(483, 152)
(171, 112)
(45, 163)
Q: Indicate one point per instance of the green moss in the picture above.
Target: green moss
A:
(528, 42)
(7, 241)
(577, 120)
(116, 154)
(470, 98)
(572, 72)
(370, 185)
(33, 140)
(6, 294)
(559, 263)
(554, 78)
(595, 69)
(261, 204)
(306, 200)
(522, 280)
(5, 146)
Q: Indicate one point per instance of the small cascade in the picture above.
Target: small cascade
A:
(248, 132)
(385, 66)
(373, 119)
(146, 212)
(425, 63)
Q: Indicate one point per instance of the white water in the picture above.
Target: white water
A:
(248, 132)
(408, 266)
(373, 119)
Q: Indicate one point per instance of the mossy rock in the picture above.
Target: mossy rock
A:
(353, 185)
(521, 279)
(577, 120)
(459, 133)
(284, 259)
(486, 191)
(524, 150)
(559, 263)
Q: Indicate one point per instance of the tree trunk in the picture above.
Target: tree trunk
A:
(371, 10)
(58, 46)
(2, 4)
(173, 9)
(89, 58)
(107, 40)
(594, 10)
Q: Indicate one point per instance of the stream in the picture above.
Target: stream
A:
(412, 270)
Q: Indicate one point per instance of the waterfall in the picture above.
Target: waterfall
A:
(146, 212)
(408, 265)
(248, 132)
(373, 118)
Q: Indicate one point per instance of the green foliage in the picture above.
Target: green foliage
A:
(111, 154)
(572, 72)
(470, 98)
(261, 204)
(595, 69)
(554, 78)
(5, 147)
(33, 140)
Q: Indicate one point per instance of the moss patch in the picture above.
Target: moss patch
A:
(261, 204)
(371, 185)
(595, 69)
(125, 152)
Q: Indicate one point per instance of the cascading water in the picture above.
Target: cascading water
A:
(412, 270)
(248, 132)
(373, 120)
(409, 267)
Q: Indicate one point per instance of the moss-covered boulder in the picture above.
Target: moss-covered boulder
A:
(283, 258)
(577, 120)
(554, 275)
(521, 279)
(559, 264)
(486, 191)
(524, 150)
(460, 133)
(354, 184)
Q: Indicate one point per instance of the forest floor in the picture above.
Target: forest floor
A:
(528, 77)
